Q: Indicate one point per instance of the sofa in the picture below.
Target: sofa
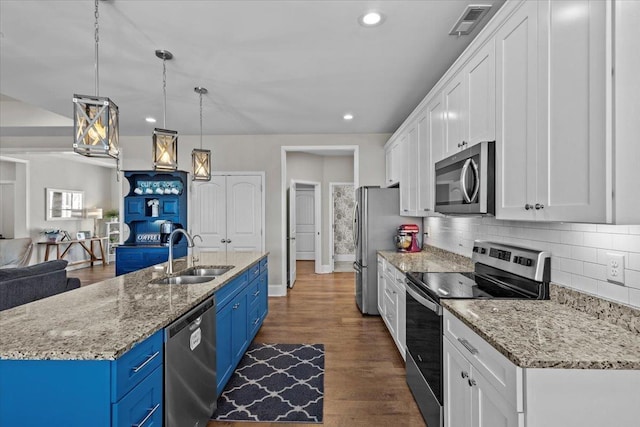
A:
(15, 252)
(22, 285)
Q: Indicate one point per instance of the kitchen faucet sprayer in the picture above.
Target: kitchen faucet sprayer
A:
(189, 245)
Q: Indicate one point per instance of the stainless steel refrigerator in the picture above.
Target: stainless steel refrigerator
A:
(375, 221)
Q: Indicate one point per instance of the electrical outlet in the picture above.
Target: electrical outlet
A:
(615, 267)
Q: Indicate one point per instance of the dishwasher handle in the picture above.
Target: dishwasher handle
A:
(193, 316)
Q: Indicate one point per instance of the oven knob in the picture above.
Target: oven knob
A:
(483, 251)
(529, 262)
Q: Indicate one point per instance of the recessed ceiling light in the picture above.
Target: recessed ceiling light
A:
(150, 120)
(371, 19)
(348, 116)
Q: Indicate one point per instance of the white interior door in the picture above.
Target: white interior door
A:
(209, 214)
(244, 213)
(305, 224)
(291, 237)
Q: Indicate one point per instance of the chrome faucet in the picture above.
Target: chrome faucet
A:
(189, 244)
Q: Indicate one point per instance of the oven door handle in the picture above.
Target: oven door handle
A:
(431, 305)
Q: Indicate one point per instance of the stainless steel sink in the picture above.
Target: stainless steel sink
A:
(182, 280)
(215, 270)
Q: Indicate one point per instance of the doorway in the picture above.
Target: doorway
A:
(304, 219)
(345, 151)
(7, 209)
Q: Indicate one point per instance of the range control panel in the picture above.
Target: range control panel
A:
(530, 263)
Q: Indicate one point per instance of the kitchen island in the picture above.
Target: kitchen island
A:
(69, 359)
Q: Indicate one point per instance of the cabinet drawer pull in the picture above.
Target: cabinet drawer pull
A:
(256, 293)
(255, 322)
(539, 206)
(468, 346)
(528, 206)
(146, 362)
(149, 415)
(236, 305)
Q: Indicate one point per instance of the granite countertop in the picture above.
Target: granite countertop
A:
(429, 260)
(104, 320)
(547, 334)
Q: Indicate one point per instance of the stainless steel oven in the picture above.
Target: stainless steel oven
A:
(465, 181)
(500, 272)
(424, 353)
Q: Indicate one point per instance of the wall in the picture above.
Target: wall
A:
(53, 171)
(15, 216)
(263, 153)
(578, 250)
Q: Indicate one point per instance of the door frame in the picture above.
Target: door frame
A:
(332, 222)
(317, 207)
(344, 150)
(22, 210)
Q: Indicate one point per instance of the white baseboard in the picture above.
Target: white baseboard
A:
(277, 290)
(345, 257)
(325, 269)
(305, 257)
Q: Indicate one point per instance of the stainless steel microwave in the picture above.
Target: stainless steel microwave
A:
(465, 181)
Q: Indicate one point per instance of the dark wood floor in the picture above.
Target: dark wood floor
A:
(364, 372)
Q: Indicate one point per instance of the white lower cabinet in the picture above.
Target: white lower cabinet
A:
(479, 384)
(482, 388)
(392, 303)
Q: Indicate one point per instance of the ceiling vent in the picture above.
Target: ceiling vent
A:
(469, 19)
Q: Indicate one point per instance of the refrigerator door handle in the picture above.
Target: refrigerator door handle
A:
(355, 231)
(356, 267)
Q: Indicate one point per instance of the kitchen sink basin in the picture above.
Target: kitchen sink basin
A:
(182, 280)
(215, 270)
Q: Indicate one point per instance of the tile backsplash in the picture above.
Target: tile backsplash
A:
(578, 250)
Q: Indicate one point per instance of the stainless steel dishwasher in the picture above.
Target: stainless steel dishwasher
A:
(190, 367)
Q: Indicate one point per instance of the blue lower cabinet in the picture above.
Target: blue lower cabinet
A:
(97, 393)
(133, 258)
(142, 406)
(241, 309)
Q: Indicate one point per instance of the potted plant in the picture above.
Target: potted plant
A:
(111, 215)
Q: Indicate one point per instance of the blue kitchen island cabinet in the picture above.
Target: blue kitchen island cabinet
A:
(168, 192)
(94, 356)
(242, 306)
(70, 393)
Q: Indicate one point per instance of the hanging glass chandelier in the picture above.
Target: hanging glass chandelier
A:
(201, 159)
(165, 142)
(95, 119)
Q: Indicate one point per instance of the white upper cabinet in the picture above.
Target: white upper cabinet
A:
(455, 114)
(393, 160)
(470, 102)
(409, 176)
(480, 78)
(517, 56)
(551, 113)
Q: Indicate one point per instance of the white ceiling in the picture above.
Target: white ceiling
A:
(271, 67)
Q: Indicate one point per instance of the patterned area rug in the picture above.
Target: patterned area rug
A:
(275, 383)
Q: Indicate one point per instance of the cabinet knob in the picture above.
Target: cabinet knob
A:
(528, 206)
(472, 382)
(236, 305)
(539, 206)
(223, 240)
(228, 240)
(459, 145)
(464, 374)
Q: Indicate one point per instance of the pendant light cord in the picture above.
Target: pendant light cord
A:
(164, 93)
(201, 120)
(97, 38)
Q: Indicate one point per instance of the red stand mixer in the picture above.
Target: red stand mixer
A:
(407, 238)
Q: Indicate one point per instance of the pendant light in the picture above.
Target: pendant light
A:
(95, 119)
(165, 142)
(201, 159)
